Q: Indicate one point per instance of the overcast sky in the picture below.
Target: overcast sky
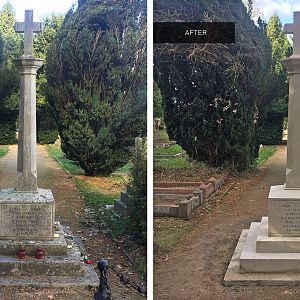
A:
(40, 7)
(283, 8)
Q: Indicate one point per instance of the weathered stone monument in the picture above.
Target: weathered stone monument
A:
(27, 213)
(269, 252)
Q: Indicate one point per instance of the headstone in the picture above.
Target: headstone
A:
(269, 252)
(157, 123)
(27, 213)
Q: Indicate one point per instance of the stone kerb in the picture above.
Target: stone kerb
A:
(166, 211)
(188, 195)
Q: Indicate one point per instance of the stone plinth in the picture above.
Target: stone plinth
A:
(252, 261)
(284, 211)
(55, 247)
(278, 244)
(26, 216)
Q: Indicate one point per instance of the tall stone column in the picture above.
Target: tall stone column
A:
(292, 65)
(27, 161)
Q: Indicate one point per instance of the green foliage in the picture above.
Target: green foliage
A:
(271, 132)
(66, 164)
(10, 48)
(46, 125)
(271, 129)
(265, 153)
(171, 150)
(157, 102)
(213, 93)
(47, 136)
(137, 206)
(7, 130)
(3, 150)
(96, 70)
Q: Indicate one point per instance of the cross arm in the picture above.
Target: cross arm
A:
(36, 27)
(289, 28)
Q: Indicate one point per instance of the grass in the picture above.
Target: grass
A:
(125, 170)
(3, 150)
(98, 201)
(173, 149)
(265, 153)
(170, 235)
(66, 164)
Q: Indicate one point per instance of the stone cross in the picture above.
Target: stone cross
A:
(28, 28)
(292, 64)
(294, 29)
(27, 66)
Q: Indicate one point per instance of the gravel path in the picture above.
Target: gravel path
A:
(195, 268)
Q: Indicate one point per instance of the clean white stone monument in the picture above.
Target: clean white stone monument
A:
(27, 213)
(269, 252)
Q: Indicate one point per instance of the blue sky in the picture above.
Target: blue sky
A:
(283, 8)
(40, 7)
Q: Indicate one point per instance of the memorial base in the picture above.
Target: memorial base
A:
(27, 222)
(250, 267)
(61, 266)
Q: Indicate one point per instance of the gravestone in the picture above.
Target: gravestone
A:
(27, 213)
(269, 252)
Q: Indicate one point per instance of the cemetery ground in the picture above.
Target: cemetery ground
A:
(191, 257)
(80, 204)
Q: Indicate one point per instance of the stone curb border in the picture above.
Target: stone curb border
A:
(192, 197)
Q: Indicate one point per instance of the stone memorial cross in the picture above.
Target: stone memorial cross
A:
(28, 28)
(27, 66)
(294, 29)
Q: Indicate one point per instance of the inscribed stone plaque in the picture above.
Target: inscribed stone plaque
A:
(26, 216)
(285, 217)
(26, 221)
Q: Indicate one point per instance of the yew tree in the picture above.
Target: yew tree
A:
(96, 71)
(213, 93)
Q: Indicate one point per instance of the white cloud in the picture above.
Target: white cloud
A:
(40, 8)
(283, 8)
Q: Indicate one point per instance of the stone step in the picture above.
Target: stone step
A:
(70, 265)
(87, 280)
(56, 247)
(254, 262)
(53, 266)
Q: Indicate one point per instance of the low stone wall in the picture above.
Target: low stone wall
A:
(187, 196)
(183, 210)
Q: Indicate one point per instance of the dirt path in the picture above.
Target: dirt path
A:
(70, 212)
(195, 268)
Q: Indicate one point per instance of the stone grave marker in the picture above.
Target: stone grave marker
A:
(269, 252)
(27, 213)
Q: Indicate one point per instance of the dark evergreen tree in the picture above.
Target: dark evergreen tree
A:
(213, 92)
(157, 102)
(9, 80)
(137, 205)
(271, 131)
(96, 70)
(46, 125)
